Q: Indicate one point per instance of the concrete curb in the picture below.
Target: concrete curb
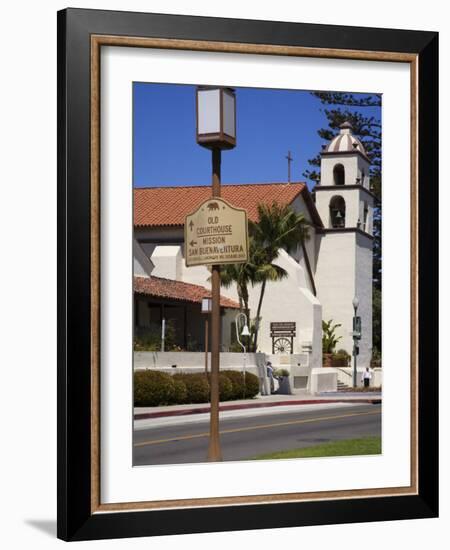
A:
(206, 409)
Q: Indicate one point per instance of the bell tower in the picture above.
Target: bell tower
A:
(344, 268)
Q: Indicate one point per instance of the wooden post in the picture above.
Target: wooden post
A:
(214, 451)
(206, 344)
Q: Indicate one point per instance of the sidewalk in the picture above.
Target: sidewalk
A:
(142, 413)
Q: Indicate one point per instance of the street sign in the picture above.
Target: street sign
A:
(216, 233)
(282, 334)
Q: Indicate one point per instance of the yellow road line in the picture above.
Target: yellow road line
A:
(249, 428)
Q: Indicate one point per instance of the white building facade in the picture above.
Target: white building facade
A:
(324, 276)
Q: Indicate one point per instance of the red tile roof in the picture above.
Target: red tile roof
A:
(176, 290)
(156, 206)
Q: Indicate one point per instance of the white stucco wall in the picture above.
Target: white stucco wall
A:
(167, 260)
(290, 300)
(335, 278)
(142, 265)
(364, 292)
(310, 244)
(197, 275)
(344, 269)
(354, 166)
(352, 198)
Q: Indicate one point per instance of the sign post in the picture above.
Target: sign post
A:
(216, 233)
(282, 334)
(206, 242)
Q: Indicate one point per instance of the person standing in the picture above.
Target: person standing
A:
(366, 377)
(270, 376)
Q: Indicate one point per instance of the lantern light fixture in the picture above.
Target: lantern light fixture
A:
(216, 117)
(206, 304)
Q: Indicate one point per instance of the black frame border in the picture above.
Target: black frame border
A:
(75, 521)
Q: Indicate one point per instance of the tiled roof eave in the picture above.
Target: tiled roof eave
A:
(181, 291)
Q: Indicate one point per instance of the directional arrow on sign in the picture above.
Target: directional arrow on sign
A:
(191, 224)
(193, 243)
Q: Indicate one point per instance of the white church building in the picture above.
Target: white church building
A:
(321, 284)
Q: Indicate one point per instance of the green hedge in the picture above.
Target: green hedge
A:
(251, 385)
(197, 387)
(237, 380)
(154, 388)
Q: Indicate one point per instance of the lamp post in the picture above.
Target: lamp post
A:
(244, 332)
(206, 309)
(356, 336)
(216, 130)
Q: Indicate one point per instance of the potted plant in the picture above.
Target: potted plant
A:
(329, 341)
(282, 375)
(340, 359)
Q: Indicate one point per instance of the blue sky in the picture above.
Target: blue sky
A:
(269, 123)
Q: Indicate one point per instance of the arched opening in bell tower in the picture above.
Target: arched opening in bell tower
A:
(337, 212)
(339, 174)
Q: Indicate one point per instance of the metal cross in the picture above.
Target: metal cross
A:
(289, 159)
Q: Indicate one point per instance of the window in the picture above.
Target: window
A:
(366, 218)
(337, 212)
(339, 174)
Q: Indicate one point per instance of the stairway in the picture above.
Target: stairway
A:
(341, 385)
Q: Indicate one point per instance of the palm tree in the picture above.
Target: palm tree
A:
(278, 226)
(243, 275)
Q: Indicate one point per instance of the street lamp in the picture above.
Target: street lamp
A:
(244, 332)
(216, 117)
(216, 130)
(356, 336)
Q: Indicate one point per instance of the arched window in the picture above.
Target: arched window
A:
(339, 174)
(337, 211)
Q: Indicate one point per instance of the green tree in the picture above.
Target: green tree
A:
(351, 107)
(278, 227)
(376, 319)
(329, 338)
(243, 275)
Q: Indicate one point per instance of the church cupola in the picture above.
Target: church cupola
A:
(345, 142)
(343, 196)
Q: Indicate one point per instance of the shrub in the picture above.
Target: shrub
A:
(180, 392)
(281, 372)
(149, 338)
(251, 385)
(340, 359)
(237, 379)
(197, 386)
(153, 388)
(225, 388)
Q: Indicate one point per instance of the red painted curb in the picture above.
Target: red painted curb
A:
(206, 409)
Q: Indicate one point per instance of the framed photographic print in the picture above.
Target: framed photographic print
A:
(247, 242)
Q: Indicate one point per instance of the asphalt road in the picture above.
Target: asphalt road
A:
(245, 437)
